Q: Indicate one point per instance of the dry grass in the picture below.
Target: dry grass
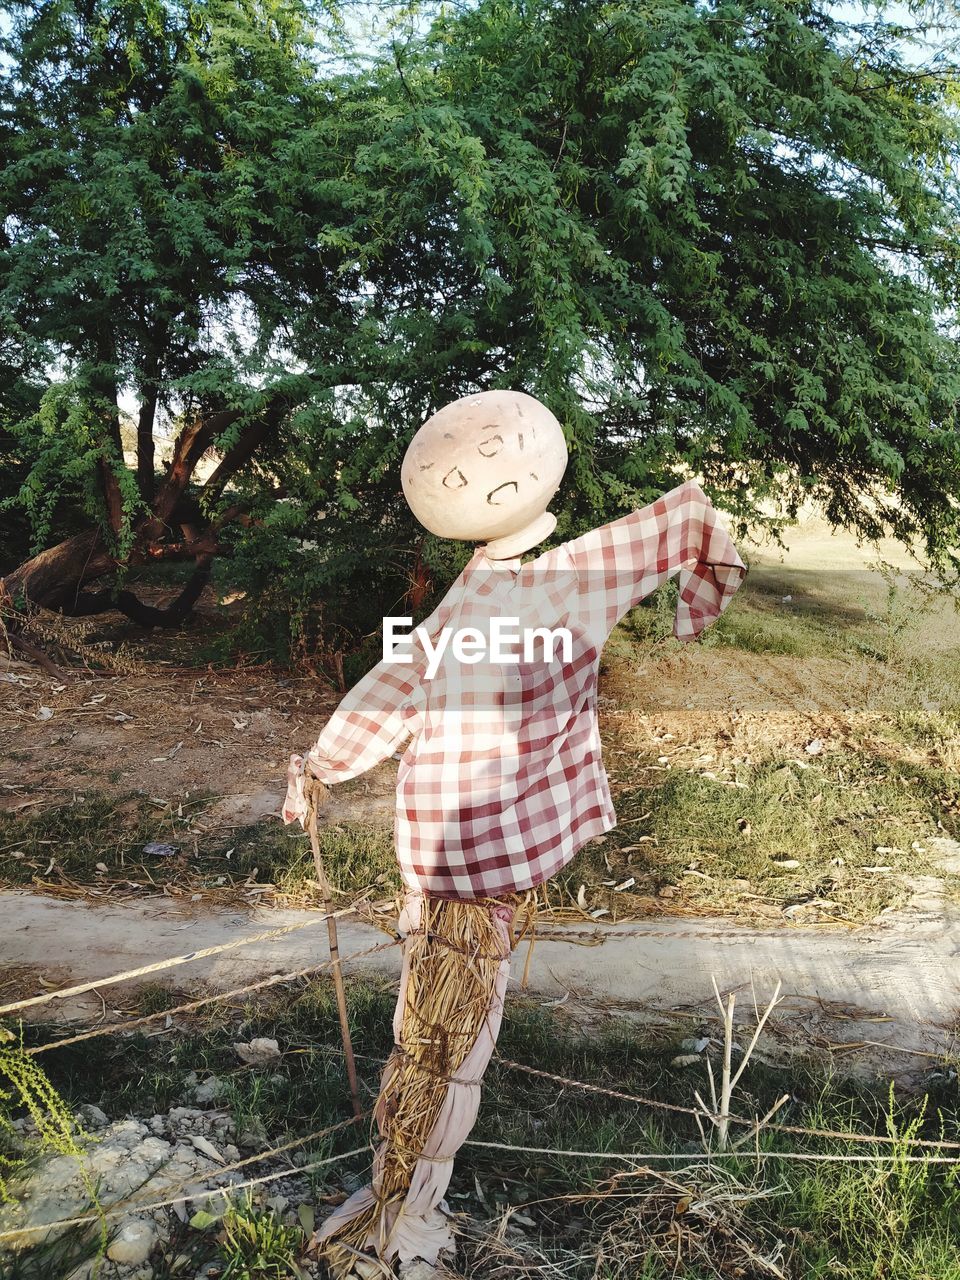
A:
(451, 965)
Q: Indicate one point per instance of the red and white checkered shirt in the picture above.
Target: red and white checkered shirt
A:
(503, 781)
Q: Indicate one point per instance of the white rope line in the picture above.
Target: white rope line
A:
(630, 1157)
(771, 1126)
(633, 1157)
(152, 1206)
(116, 1028)
(569, 1082)
(174, 961)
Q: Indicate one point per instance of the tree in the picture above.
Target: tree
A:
(722, 236)
(163, 207)
(726, 234)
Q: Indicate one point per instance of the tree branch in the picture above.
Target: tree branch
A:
(191, 444)
(241, 452)
(39, 657)
(147, 615)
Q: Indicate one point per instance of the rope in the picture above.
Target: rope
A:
(172, 963)
(633, 1157)
(566, 1081)
(697, 1111)
(118, 1027)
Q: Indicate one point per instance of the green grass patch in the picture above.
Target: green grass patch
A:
(678, 830)
(688, 1217)
(715, 844)
(795, 615)
(98, 839)
(757, 620)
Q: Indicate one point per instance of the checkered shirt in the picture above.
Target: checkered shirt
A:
(502, 781)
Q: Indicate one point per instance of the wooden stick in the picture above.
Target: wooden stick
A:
(315, 793)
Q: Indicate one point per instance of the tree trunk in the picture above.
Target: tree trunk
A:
(147, 615)
(145, 446)
(55, 577)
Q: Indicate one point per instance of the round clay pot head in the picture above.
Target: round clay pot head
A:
(484, 468)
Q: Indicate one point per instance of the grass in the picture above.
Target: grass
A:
(682, 829)
(761, 620)
(98, 839)
(688, 1216)
(791, 831)
(257, 1245)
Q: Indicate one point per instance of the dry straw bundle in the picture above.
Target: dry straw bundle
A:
(449, 1009)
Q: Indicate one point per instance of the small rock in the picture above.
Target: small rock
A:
(209, 1090)
(254, 1136)
(257, 1051)
(92, 1117)
(133, 1243)
(419, 1270)
(157, 849)
(694, 1044)
(365, 1270)
(947, 853)
(206, 1147)
(685, 1060)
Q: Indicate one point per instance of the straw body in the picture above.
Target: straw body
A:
(456, 964)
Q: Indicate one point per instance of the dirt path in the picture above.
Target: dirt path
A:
(895, 983)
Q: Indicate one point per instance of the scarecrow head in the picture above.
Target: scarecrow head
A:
(484, 468)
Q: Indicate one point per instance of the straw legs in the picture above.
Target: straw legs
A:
(456, 961)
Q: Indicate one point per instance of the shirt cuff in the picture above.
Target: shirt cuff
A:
(320, 767)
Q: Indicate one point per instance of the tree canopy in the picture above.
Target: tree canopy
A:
(712, 235)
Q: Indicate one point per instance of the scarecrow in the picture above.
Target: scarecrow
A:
(502, 780)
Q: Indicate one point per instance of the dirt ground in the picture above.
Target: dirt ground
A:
(170, 735)
(882, 997)
(174, 733)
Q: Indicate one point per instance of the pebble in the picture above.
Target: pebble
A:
(92, 1117)
(133, 1243)
(208, 1090)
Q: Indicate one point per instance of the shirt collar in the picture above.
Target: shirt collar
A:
(513, 564)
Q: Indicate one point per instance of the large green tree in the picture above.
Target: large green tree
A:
(718, 235)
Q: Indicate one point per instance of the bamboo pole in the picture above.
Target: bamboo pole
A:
(315, 794)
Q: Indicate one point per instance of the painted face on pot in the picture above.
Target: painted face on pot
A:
(484, 467)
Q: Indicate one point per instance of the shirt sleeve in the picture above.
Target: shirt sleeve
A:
(680, 533)
(372, 718)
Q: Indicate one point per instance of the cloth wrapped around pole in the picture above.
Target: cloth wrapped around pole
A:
(456, 963)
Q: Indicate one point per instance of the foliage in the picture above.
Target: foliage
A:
(820, 1218)
(258, 1246)
(719, 236)
(26, 1086)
